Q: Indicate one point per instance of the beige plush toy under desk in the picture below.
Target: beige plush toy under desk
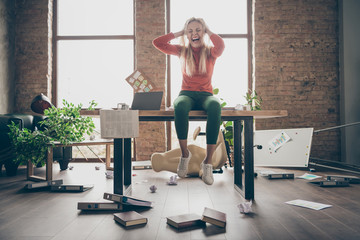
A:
(168, 161)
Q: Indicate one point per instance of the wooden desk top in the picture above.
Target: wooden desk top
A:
(100, 141)
(224, 113)
(227, 115)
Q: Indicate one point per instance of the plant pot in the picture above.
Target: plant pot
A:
(63, 155)
(11, 168)
(64, 164)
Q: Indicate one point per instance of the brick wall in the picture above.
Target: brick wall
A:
(296, 64)
(296, 67)
(31, 52)
(150, 23)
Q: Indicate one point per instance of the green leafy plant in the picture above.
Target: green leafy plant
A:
(226, 125)
(28, 145)
(253, 100)
(64, 125)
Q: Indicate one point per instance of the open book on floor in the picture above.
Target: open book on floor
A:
(126, 200)
(182, 221)
(130, 218)
(214, 217)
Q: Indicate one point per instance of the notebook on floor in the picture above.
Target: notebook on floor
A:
(147, 101)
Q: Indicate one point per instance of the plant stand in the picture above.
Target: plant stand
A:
(49, 160)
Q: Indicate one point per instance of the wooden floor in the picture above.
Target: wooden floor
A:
(49, 215)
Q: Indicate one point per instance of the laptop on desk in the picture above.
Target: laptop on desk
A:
(147, 101)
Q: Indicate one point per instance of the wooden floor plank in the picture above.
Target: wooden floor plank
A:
(48, 215)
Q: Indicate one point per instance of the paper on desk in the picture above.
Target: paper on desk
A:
(309, 176)
(308, 204)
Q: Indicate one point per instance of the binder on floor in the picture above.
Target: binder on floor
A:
(43, 184)
(72, 188)
(99, 206)
(350, 179)
(327, 183)
(281, 176)
(126, 200)
(139, 165)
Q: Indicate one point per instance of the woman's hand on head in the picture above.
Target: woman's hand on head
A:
(179, 34)
(206, 27)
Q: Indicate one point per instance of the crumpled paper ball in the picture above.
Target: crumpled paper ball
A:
(172, 180)
(109, 174)
(153, 188)
(245, 207)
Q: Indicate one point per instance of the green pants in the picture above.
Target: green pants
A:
(191, 100)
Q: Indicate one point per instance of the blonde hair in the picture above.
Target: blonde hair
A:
(186, 56)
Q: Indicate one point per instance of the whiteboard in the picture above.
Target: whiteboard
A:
(283, 147)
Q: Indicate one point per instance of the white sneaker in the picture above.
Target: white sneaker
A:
(183, 166)
(207, 173)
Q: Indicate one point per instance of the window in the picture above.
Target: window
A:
(93, 54)
(94, 51)
(229, 19)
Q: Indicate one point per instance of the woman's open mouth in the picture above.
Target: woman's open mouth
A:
(195, 39)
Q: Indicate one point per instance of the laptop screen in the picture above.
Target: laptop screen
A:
(147, 101)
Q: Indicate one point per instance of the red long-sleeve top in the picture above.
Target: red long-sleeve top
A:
(198, 82)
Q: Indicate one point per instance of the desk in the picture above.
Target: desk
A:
(49, 161)
(122, 147)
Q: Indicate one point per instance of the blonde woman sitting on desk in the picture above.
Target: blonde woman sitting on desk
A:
(197, 58)
(169, 161)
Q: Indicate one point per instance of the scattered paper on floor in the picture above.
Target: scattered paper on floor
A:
(308, 204)
(308, 176)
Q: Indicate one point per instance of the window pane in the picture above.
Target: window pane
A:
(230, 73)
(95, 70)
(95, 17)
(222, 17)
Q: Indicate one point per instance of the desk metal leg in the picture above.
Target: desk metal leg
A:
(122, 166)
(246, 189)
(237, 155)
(127, 162)
(118, 166)
(249, 158)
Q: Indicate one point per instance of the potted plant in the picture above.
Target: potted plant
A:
(64, 125)
(254, 102)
